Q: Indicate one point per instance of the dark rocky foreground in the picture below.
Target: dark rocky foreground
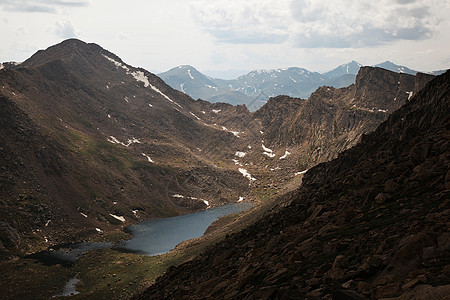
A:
(371, 224)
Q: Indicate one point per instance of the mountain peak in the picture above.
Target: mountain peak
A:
(186, 67)
(67, 50)
(351, 68)
(388, 65)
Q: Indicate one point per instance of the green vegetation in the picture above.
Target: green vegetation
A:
(263, 191)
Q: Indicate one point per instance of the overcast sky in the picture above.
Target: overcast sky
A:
(216, 36)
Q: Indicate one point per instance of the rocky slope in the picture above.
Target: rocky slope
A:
(371, 224)
(90, 143)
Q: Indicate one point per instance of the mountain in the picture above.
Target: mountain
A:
(436, 73)
(190, 81)
(252, 89)
(370, 224)
(297, 82)
(395, 68)
(256, 87)
(351, 68)
(90, 144)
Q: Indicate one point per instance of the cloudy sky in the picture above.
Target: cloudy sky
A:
(227, 38)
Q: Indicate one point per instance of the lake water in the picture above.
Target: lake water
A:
(159, 236)
(67, 254)
(150, 237)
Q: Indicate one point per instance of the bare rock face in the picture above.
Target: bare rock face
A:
(334, 237)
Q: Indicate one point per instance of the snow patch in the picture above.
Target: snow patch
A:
(116, 63)
(99, 230)
(48, 222)
(240, 154)
(410, 94)
(216, 111)
(195, 116)
(177, 196)
(206, 202)
(190, 75)
(286, 153)
(267, 151)
(148, 158)
(382, 110)
(271, 155)
(203, 112)
(246, 174)
(120, 218)
(126, 99)
(84, 215)
(164, 95)
(300, 173)
(113, 140)
(150, 105)
(236, 162)
(1, 66)
(240, 199)
(135, 212)
(236, 133)
(139, 76)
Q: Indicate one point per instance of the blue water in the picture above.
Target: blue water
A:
(154, 237)
(150, 237)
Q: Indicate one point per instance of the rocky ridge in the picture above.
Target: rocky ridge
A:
(370, 224)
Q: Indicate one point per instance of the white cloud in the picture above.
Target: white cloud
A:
(317, 24)
(65, 30)
(251, 21)
(40, 6)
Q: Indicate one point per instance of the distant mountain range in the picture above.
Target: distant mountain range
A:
(256, 87)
